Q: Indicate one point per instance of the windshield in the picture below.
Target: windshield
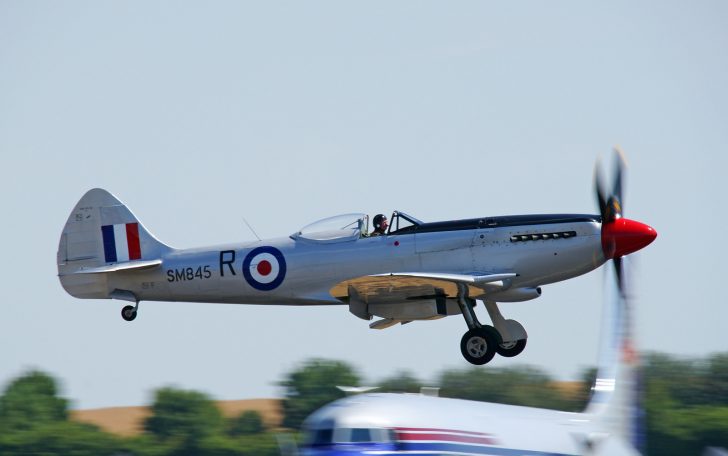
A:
(340, 227)
(403, 223)
(328, 436)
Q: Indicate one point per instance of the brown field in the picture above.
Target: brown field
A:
(128, 421)
(571, 390)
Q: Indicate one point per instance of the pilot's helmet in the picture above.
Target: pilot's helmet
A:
(378, 219)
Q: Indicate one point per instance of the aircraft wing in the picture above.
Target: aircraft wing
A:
(403, 286)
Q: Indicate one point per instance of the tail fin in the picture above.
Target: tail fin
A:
(615, 403)
(102, 235)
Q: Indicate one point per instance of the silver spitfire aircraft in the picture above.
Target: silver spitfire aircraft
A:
(414, 271)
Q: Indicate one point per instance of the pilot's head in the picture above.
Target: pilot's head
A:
(380, 223)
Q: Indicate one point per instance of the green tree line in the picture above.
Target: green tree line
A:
(685, 402)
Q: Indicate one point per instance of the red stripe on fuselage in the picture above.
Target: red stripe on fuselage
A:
(445, 438)
(443, 435)
(132, 238)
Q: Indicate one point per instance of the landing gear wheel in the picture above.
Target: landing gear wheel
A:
(128, 313)
(478, 345)
(511, 349)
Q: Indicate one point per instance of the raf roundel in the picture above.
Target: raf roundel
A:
(264, 268)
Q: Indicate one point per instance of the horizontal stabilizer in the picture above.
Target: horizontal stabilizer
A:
(125, 266)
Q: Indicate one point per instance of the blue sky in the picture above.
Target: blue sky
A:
(199, 114)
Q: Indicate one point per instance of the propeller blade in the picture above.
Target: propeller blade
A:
(619, 273)
(613, 210)
(599, 189)
(620, 167)
(610, 202)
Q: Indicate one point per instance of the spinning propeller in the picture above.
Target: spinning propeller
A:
(620, 236)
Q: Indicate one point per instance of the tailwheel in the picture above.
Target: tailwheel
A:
(479, 345)
(128, 313)
(511, 349)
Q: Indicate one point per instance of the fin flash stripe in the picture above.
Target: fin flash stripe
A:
(121, 242)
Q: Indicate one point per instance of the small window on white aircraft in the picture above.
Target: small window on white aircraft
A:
(383, 435)
(321, 436)
(360, 435)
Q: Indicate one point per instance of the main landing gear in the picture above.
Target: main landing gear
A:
(480, 344)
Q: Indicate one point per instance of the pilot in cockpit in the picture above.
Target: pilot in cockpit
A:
(380, 225)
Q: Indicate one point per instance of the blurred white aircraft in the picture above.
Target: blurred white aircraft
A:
(414, 424)
(406, 271)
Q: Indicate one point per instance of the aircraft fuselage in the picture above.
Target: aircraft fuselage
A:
(541, 249)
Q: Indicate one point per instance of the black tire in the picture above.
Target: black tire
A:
(478, 345)
(128, 313)
(511, 349)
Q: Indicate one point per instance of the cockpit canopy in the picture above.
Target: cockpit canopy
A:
(331, 436)
(351, 421)
(340, 228)
(349, 227)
